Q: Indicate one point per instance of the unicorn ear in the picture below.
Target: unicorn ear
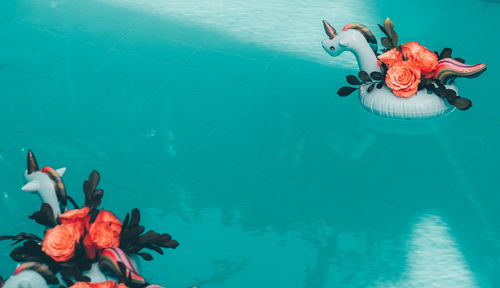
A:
(343, 42)
(31, 186)
(61, 171)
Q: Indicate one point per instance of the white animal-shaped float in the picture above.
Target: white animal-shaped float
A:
(440, 96)
(111, 263)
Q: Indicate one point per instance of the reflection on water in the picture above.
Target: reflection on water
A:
(434, 259)
(287, 26)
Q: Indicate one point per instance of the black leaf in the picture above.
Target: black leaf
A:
(148, 237)
(145, 256)
(371, 87)
(79, 276)
(97, 196)
(345, 91)
(93, 215)
(29, 252)
(45, 216)
(450, 94)
(132, 239)
(421, 85)
(170, 244)
(122, 267)
(85, 264)
(135, 218)
(380, 84)
(375, 75)
(446, 53)
(462, 103)
(363, 75)
(351, 79)
(430, 87)
(72, 202)
(66, 276)
(125, 221)
(94, 179)
(384, 66)
(93, 196)
(442, 90)
(139, 230)
(22, 237)
(460, 60)
(389, 28)
(163, 238)
(387, 43)
(383, 29)
(32, 247)
(154, 248)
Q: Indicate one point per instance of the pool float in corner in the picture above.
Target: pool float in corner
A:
(83, 247)
(406, 81)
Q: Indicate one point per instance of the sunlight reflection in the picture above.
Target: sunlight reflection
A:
(434, 258)
(287, 26)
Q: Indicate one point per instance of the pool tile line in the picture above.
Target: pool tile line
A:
(7, 66)
(110, 48)
(235, 55)
(32, 25)
(42, 30)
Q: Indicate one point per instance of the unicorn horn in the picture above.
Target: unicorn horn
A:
(32, 164)
(330, 31)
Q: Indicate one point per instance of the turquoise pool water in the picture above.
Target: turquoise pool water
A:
(219, 119)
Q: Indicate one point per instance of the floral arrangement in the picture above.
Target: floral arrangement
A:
(79, 237)
(407, 68)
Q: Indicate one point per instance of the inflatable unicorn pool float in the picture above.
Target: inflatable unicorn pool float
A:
(441, 96)
(108, 265)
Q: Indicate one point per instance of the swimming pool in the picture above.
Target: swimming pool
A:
(220, 120)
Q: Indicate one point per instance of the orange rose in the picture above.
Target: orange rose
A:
(59, 242)
(103, 233)
(390, 57)
(107, 284)
(121, 285)
(426, 60)
(109, 218)
(81, 285)
(403, 78)
(90, 248)
(102, 236)
(78, 216)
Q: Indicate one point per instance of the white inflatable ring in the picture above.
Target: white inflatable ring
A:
(383, 102)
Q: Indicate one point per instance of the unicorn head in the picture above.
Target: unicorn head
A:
(47, 182)
(355, 38)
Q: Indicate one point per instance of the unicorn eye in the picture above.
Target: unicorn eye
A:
(332, 48)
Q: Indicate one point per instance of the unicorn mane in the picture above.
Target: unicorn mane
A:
(41, 269)
(370, 38)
